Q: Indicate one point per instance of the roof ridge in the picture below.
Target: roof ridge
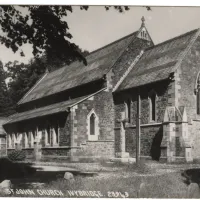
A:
(115, 41)
(171, 39)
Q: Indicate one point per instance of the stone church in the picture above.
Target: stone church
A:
(80, 112)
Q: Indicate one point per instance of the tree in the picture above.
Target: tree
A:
(23, 77)
(44, 28)
(4, 96)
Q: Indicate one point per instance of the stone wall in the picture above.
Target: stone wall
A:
(150, 140)
(189, 70)
(161, 90)
(100, 149)
(102, 105)
(56, 151)
(151, 132)
(195, 139)
(28, 152)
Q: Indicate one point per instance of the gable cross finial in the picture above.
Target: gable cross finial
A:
(143, 20)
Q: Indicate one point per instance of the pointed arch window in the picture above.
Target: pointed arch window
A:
(152, 105)
(93, 126)
(128, 110)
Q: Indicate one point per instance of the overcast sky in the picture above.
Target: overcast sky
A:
(96, 27)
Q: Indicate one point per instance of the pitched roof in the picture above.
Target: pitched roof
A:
(158, 62)
(48, 110)
(44, 111)
(99, 63)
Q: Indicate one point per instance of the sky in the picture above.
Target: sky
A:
(97, 27)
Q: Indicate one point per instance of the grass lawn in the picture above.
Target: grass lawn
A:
(125, 179)
(147, 180)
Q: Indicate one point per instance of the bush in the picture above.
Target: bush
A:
(12, 170)
(17, 155)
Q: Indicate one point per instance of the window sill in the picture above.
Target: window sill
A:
(152, 121)
(93, 138)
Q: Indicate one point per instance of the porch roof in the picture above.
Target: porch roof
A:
(44, 111)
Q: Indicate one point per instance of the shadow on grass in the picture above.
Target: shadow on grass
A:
(10, 170)
(191, 176)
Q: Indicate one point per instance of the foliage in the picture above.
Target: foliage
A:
(47, 30)
(23, 77)
(17, 155)
(44, 27)
(4, 96)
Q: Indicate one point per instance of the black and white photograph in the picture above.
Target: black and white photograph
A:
(99, 101)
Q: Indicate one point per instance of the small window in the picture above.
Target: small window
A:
(13, 140)
(9, 141)
(56, 135)
(93, 126)
(128, 110)
(152, 98)
(31, 138)
(26, 139)
(48, 135)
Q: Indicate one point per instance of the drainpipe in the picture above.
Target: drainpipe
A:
(138, 128)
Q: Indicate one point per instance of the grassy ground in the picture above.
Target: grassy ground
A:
(126, 178)
(146, 180)
(166, 186)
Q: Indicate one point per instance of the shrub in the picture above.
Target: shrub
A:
(12, 170)
(17, 155)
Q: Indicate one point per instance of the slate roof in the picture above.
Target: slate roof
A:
(157, 62)
(99, 63)
(44, 111)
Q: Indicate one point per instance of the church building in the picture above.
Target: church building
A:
(129, 86)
